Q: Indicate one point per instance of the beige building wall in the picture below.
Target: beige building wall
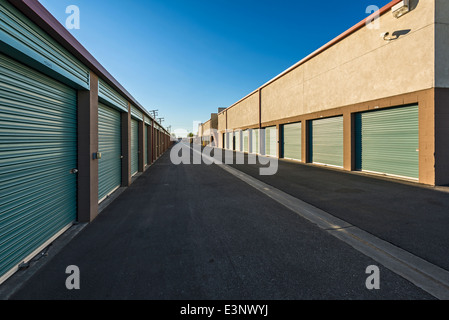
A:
(361, 67)
(221, 127)
(244, 114)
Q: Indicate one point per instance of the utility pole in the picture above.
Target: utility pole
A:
(154, 113)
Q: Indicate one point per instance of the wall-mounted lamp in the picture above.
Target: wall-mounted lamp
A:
(386, 36)
(401, 8)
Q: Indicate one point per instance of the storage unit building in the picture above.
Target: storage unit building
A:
(64, 129)
(342, 108)
(38, 139)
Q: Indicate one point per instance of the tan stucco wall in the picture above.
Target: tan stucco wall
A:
(207, 129)
(222, 121)
(245, 113)
(362, 67)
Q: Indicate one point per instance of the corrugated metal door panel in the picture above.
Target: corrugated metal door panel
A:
(231, 141)
(291, 141)
(238, 138)
(20, 33)
(109, 145)
(255, 141)
(38, 149)
(271, 141)
(387, 141)
(136, 113)
(134, 147)
(327, 141)
(110, 96)
(145, 144)
(245, 141)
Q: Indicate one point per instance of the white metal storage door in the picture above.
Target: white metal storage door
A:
(38, 152)
(255, 141)
(245, 141)
(291, 141)
(326, 146)
(229, 140)
(238, 138)
(271, 141)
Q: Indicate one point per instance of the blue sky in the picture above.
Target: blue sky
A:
(187, 58)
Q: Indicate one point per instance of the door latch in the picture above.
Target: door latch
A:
(74, 171)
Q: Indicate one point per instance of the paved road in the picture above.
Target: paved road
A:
(412, 217)
(197, 232)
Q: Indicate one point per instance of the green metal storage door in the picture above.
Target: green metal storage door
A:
(291, 141)
(387, 141)
(38, 150)
(245, 141)
(134, 147)
(110, 147)
(145, 145)
(326, 146)
(255, 141)
(271, 141)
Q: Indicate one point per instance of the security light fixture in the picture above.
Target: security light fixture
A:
(401, 8)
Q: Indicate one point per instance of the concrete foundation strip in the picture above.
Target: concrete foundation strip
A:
(425, 275)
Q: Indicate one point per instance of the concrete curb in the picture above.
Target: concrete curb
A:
(425, 275)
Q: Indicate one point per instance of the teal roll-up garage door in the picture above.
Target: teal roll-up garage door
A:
(387, 141)
(38, 150)
(134, 146)
(271, 141)
(255, 141)
(110, 147)
(291, 141)
(145, 145)
(245, 139)
(326, 146)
